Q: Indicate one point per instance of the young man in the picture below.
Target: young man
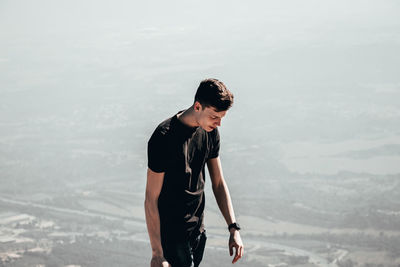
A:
(178, 150)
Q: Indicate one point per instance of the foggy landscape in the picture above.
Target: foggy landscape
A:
(310, 149)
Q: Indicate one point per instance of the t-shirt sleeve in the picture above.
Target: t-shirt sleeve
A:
(214, 144)
(156, 152)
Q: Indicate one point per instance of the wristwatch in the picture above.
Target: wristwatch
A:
(234, 225)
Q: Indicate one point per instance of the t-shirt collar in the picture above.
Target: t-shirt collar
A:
(186, 129)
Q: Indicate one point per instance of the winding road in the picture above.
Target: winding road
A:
(251, 243)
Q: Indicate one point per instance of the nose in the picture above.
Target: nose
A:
(219, 122)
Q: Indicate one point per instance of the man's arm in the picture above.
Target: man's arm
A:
(223, 198)
(153, 189)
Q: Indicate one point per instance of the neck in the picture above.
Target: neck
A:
(188, 117)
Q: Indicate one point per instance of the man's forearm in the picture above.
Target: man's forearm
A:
(223, 198)
(153, 226)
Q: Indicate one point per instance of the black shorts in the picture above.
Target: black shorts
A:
(185, 253)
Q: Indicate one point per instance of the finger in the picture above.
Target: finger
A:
(235, 259)
(240, 252)
(237, 256)
(231, 250)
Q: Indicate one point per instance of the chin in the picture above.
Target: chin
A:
(207, 128)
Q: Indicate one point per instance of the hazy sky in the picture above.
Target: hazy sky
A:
(304, 73)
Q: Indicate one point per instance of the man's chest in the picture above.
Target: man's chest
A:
(191, 151)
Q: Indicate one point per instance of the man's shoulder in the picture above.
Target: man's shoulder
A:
(164, 127)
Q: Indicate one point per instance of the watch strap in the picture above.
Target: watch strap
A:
(234, 225)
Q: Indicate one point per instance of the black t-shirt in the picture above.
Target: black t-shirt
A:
(181, 152)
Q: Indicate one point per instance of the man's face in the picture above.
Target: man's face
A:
(209, 118)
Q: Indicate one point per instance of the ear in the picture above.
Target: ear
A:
(197, 106)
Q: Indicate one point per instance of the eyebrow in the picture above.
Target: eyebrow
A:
(214, 115)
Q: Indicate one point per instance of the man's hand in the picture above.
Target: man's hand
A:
(235, 242)
(159, 261)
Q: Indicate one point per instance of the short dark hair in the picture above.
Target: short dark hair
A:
(213, 93)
